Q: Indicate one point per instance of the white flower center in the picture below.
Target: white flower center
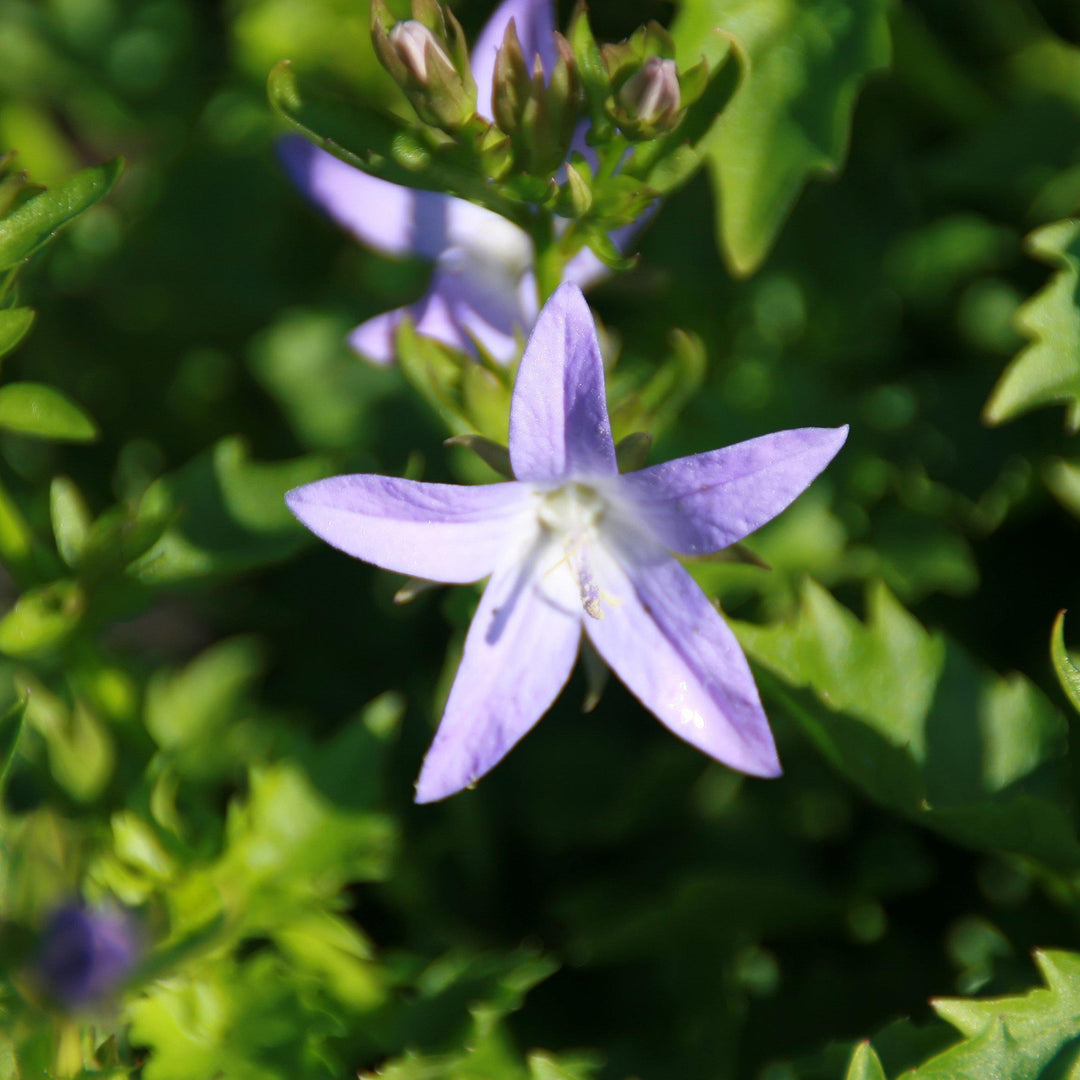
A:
(571, 510)
(571, 517)
(486, 244)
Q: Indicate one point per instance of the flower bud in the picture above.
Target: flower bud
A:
(651, 96)
(411, 41)
(538, 116)
(428, 58)
(86, 954)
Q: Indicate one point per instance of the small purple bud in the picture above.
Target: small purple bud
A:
(651, 95)
(411, 40)
(86, 954)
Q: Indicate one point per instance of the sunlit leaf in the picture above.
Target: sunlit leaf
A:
(35, 409)
(33, 223)
(791, 117)
(1067, 672)
(918, 726)
(15, 324)
(42, 619)
(230, 515)
(70, 519)
(865, 1064)
(11, 726)
(1047, 371)
(1013, 1038)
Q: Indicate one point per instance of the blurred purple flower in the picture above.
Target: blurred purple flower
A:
(569, 544)
(484, 285)
(86, 953)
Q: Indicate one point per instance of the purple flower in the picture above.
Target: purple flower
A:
(86, 954)
(572, 544)
(484, 284)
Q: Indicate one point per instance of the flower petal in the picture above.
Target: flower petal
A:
(559, 425)
(392, 219)
(534, 21)
(705, 502)
(675, 653)
(463, 303)
(442, 532)
(374, 339)
(519, 653)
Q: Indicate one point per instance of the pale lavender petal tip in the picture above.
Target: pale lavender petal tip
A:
(559, 423)
(442, 532)
(706, 502)
(676, 654)
(519, 653)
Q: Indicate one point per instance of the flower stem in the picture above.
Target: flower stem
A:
(550, 259)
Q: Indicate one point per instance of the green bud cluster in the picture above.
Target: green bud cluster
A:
(642, 118)
(538, 117)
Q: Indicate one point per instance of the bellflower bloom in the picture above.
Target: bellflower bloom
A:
(484, 283)
(86, 954)
(572, 544)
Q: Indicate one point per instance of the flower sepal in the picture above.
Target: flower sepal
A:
(471, 394)
(538, 112)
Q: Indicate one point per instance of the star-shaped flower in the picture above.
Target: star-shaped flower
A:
(571, 544)
(484, 282)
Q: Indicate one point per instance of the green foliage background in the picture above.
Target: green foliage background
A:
(216, 722)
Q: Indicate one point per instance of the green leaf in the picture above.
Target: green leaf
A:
(865, 1064)
(469, 397)
(656, 403)
(33, 224)
(792, 116)
(230, 515)
(11, 727)
(1067, 672)
(1063, 479)
(70, 519)
(38, 410)
(186, 711)
(42, 619)
(1047, 371)
(15, 324)
(919, 727)
(80, 748)
(1013, 1038)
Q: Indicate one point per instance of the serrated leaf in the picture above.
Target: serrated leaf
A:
(33, 224)
(791, 118)
(1067, 672)
(15, 324)
(865, 1064)
(918, 726)
(1047, 371)
(1013, 1038)
(35, 409)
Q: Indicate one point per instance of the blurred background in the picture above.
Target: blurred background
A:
(224, 739)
